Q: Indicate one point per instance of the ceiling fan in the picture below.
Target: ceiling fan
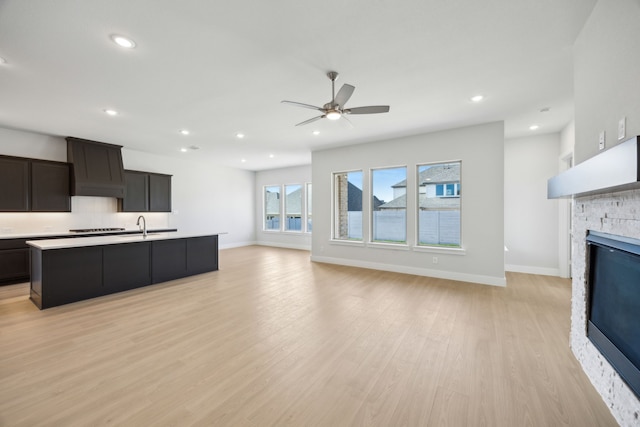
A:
(334, 109)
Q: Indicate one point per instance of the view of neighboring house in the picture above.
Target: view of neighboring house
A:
(293, 208)
(439, 189)
(438, 203)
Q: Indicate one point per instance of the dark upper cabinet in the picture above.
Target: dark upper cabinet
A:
(146, 192)
(159, 193)
(96, 168)
(14, 184)
(50, 191)
(137, 192)
(34, 185)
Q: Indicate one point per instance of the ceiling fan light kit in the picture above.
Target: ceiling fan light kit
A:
(334, 109)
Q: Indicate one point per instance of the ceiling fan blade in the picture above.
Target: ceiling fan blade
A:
(372, 109)
(311, 120)
(346, 121)
(300, 104)
(343, 95)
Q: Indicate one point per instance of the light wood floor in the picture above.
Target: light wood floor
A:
(272, 339)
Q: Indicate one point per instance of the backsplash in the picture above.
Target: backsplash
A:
(86, 212)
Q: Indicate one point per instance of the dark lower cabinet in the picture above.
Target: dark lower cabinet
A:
(126, 266)
(62, 276)
(169, 259)
(14, 265)
(202, 254)
(70, 275)
(14, 261)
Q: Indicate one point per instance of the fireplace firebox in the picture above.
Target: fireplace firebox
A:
(613, 307)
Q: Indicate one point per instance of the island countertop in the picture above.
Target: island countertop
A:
(79, 242)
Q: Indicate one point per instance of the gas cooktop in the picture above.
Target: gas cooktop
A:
(94, 230)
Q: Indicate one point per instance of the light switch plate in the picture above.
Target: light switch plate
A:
(622, 128)
(601, 141)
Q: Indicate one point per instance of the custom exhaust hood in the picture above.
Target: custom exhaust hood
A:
(96, 168)
(616, 169)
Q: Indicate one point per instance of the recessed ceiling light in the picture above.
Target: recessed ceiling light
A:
(534, 127)
(239, 135)
(110, 112)
(243, 160)
(477, 98)
(122, 41)
(184, 150)
(271, 156)
(316, 132)
(184, 132)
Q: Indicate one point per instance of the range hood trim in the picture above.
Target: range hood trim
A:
(96, 168)
(615, 169)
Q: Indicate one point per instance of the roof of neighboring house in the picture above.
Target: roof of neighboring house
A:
(355, 199)
(426, 203)
(446, 172)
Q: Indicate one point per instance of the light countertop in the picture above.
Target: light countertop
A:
(79, 242)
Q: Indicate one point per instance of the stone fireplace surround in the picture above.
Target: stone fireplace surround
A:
(614, 213)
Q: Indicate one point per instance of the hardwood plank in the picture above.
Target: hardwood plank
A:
(272, 339)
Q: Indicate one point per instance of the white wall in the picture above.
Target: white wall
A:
(284, 176)
(481, 150)
(530, 219)
(606, 64)
(205, 197)
(606, 61)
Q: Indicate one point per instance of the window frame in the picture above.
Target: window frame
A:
(384, 243)
(334, 208)
(265, 206)
(430, 247)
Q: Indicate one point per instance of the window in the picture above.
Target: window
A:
(389, 205)
(308, 207)
(272, 207)
(293, 207)
(347, 223)
(439, 190)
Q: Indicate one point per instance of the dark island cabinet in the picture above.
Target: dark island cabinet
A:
(31, 185)
(126, 266)
(14, 184)
(62, 276)
(169, 259)
(146, 192)
(202, 254)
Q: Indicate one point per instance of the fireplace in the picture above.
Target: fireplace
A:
(613, 302)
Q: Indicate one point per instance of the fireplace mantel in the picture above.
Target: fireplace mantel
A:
(610, 171)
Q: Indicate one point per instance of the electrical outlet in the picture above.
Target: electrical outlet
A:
(601, 141)
(435, 259)
(622, 128)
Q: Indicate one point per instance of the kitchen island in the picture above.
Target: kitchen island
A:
(75, 269)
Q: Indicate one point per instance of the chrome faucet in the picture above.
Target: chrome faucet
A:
(144, 225)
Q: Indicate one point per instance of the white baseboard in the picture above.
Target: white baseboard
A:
(285, 245)
(236, 245)
(532, 270)
(440, 274)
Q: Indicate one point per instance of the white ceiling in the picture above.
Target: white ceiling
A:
(221, 67)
